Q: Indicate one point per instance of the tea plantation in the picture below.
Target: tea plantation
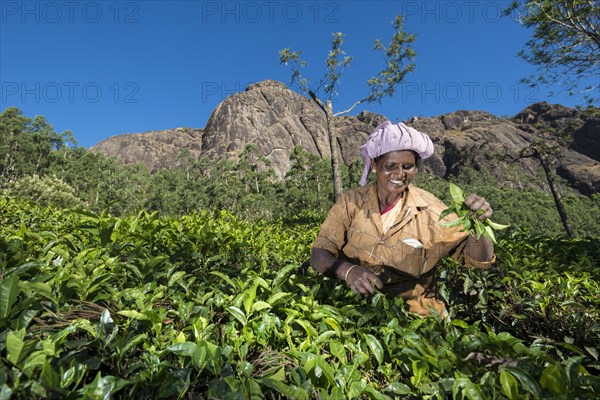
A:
(209, 306)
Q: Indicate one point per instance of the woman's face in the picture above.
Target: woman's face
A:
(395, 170)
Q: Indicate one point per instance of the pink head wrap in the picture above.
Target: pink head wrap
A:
(392, 137)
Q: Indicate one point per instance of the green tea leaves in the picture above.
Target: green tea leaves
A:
(18, 347)
(529, 384)
(457, 194)
(238, 314)
(9, 290)
(467, 218)
(496, 226)
(375, 347)
(211, 305)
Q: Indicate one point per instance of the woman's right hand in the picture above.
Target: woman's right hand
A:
(362, 281)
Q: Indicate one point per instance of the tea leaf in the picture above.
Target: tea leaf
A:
(453, 223)
(554, 379)
(17, 348)
(490, 233)
(495, 226)
(292, 392)
(469, 219)
(447, 212)
(9, 289)
(509, 384)
(260, 305)
(398, 388)
(238, 314)
(457, 194)
(375, 347)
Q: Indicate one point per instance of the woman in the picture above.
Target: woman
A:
(387, 236)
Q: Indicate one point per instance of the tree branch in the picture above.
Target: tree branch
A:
(351, 107)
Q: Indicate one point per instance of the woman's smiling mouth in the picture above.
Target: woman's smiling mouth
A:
(395, 182)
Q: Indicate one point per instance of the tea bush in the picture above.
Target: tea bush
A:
(207, 305)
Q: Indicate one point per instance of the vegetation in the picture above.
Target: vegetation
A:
(193, 283)
(210, 306)
(565, 46)
(67, 176)
(398, 60)
(468, 219)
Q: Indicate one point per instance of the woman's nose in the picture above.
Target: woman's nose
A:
(399, 172)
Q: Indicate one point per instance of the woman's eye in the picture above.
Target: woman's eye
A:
(391, 167)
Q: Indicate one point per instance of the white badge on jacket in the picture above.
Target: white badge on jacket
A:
(413, 243)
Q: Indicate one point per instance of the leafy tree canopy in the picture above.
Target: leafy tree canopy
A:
(565, 46)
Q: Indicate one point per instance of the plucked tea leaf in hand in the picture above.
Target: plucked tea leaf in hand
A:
(457, 194)
(495, 226)
(467, 218)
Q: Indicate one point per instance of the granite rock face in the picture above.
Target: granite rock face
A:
(579, 164)
(472, 139)
(275, 119)
(476, 139)
(586, 140)
(155, 149)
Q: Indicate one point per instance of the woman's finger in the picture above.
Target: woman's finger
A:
(475, 203)
(364, 282)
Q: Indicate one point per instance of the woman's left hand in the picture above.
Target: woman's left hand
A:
(475, 203)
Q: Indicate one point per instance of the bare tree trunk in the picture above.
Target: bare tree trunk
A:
(10, 164)
(335, 156)
(333, 144)
(557, 198)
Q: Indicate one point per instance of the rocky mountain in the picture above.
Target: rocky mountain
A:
(474, 139)
(275, 119)
(154, 149)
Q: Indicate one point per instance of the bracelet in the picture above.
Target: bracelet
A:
(348, 271)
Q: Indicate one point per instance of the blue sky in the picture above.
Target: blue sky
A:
(103, 68)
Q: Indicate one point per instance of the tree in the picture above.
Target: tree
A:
(254, 169)
(306, 182)
(398, 57)
(12, 144)
(566, 42)
(26, 145)
(543, 152)
(181, 189)
(44, 140)
(257, 178)
(47, 190)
